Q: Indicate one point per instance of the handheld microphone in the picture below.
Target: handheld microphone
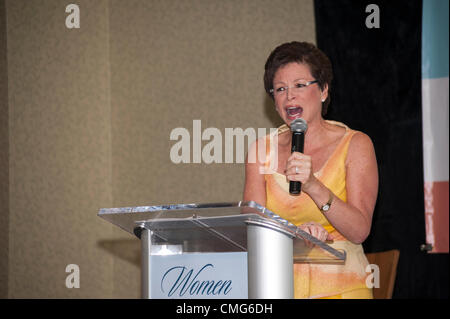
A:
(298, 128)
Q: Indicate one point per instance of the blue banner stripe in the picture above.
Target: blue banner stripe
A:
(435, 39)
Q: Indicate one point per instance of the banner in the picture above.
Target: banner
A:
(199, 276)
(435, 123)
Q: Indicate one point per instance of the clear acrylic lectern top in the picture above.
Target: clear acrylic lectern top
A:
(217, 227)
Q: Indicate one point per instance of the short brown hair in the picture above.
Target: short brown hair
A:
(300, 52)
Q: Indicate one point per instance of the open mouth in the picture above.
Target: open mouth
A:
(294, 112)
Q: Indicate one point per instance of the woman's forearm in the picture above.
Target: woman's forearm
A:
(348, 220)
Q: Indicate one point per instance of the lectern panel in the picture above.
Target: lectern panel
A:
(217, 227)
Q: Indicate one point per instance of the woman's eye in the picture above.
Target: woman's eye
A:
(281, 89)
(300, 85)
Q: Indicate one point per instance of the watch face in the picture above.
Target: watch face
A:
(326, 207)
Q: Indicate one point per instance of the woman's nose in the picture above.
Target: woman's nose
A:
(290, 93)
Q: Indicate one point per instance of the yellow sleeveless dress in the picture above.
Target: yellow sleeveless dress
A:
(320, 280)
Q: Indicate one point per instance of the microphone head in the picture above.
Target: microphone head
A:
(299, 125)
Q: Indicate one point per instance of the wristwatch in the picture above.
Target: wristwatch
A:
(325, 208)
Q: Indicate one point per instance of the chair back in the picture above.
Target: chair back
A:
(387, 263)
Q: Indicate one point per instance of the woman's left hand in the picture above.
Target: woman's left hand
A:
(299, 168)
(316, 230)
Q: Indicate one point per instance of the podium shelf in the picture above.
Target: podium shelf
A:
(217, 227)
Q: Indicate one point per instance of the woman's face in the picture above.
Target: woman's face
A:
(293, 96)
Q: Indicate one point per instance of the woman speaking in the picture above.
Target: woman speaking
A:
(337, 170)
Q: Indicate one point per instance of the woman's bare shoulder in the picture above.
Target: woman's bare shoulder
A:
(360, 147)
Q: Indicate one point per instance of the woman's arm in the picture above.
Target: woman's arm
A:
(255, 184)
(353, 219)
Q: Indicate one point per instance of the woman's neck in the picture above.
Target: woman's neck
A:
(316, 133)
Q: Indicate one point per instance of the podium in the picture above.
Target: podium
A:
(236, 235)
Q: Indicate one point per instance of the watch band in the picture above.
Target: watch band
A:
(325, 208)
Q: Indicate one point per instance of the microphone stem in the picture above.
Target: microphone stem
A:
(298, 139)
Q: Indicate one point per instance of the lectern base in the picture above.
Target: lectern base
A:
(146, 246)
(270, 266)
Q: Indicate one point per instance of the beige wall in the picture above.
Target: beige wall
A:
(91, 111)
(60, 149)
(4, 157)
